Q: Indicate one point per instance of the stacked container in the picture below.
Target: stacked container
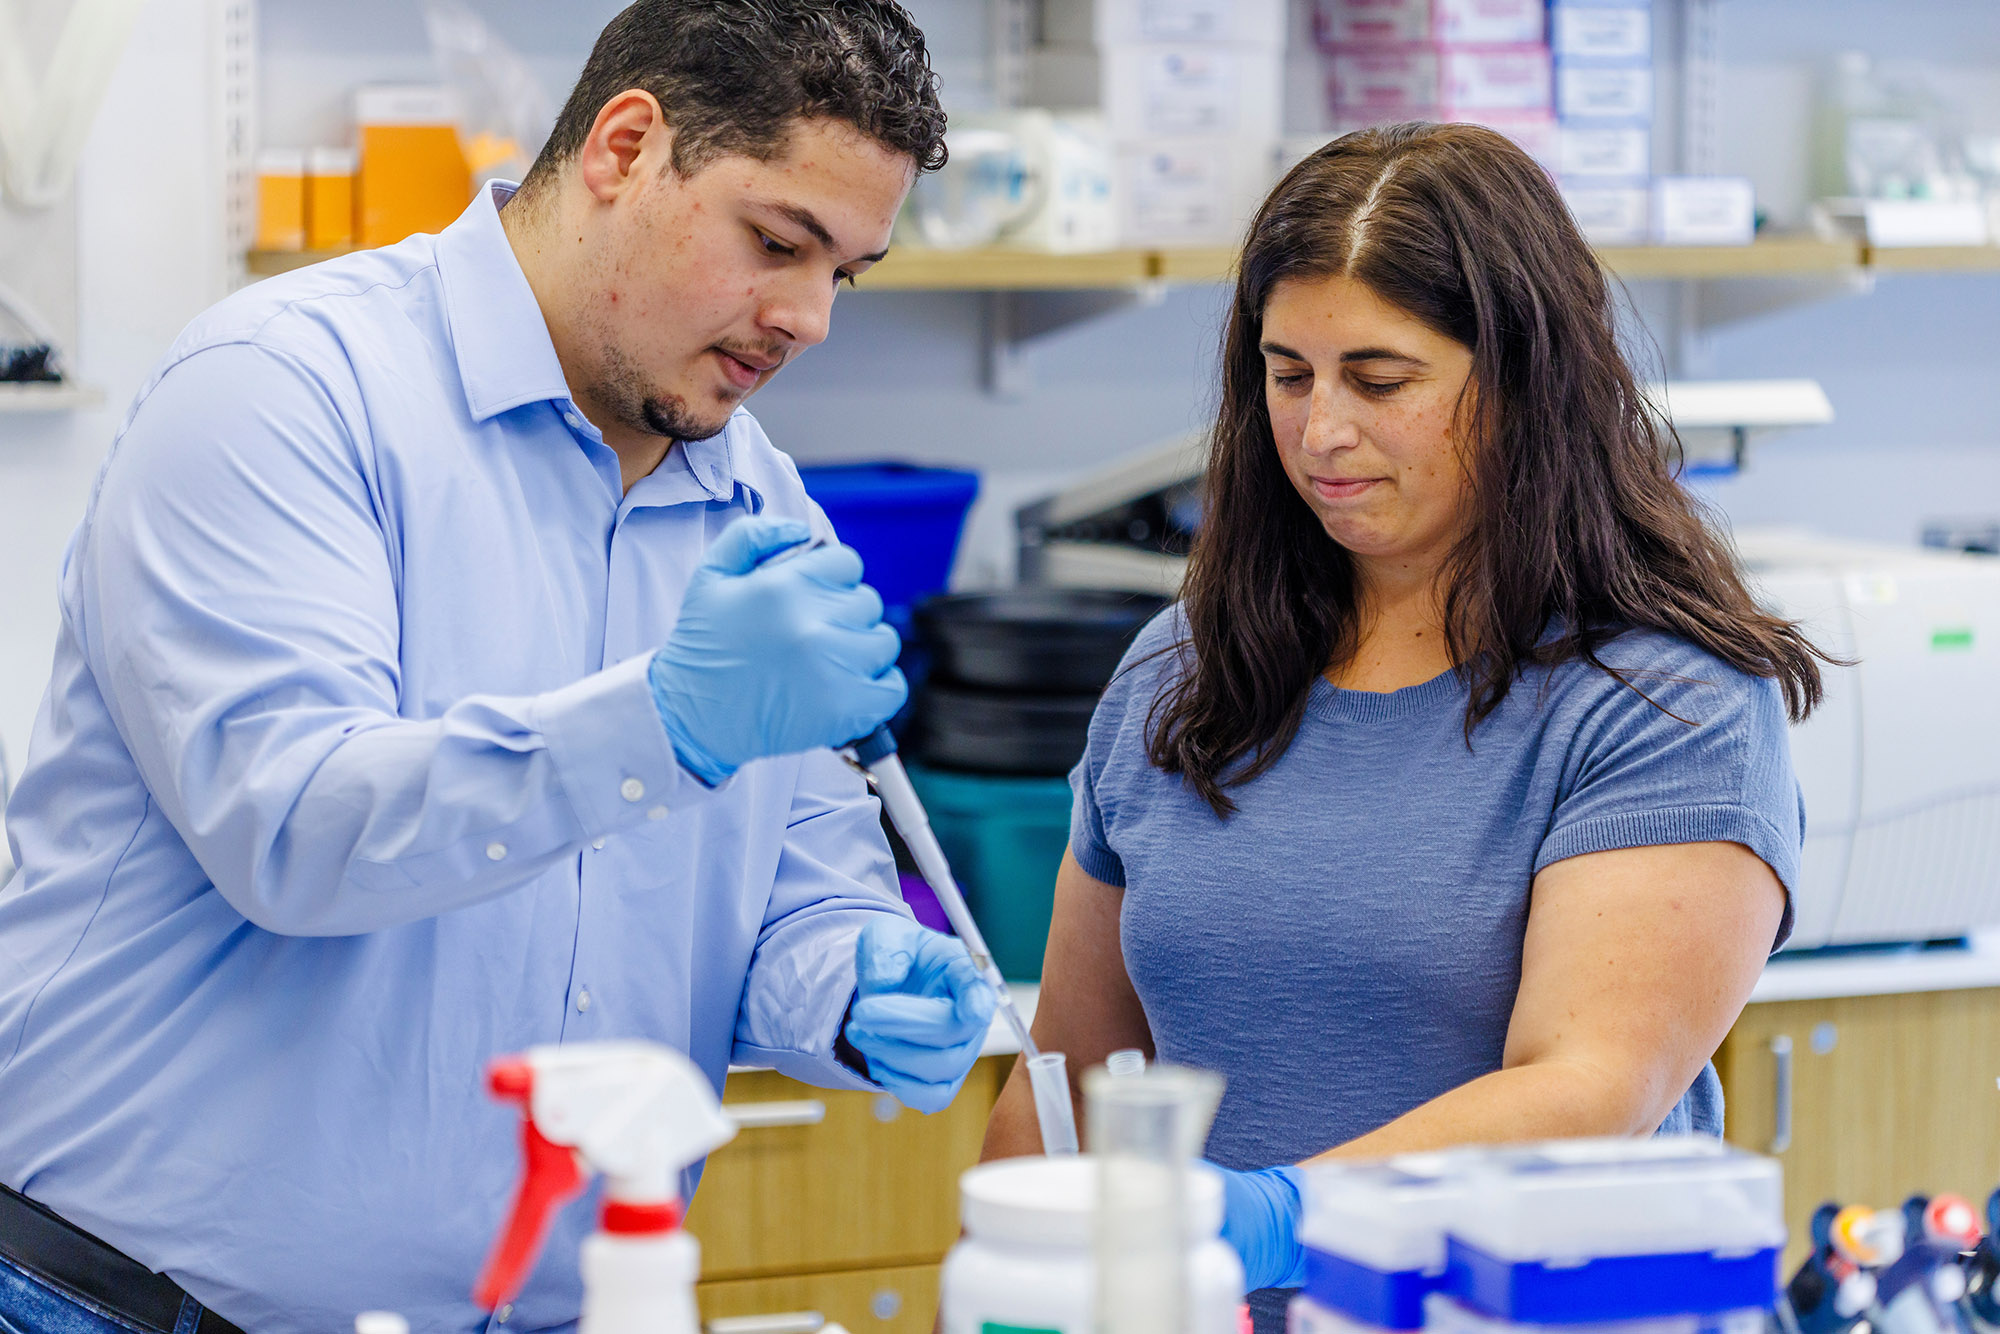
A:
(1192, 97)
(1604, 114)
(1484, 61)
(1664, 1236)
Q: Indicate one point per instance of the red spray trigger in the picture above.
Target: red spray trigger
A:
(550, 1176)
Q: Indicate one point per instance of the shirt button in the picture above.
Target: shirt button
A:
(505, 1313)
(495, 851)
(657, 813)
(575, 422)
(583, 1001)
(631, 789)
(597, 844)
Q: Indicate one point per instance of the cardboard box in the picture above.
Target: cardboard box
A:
(1623, 32)
(1462, 22)
(1122, 22)
(1609, 213)
(413, 175)
(1414, 80)
(1167, 90)
(1604, 92)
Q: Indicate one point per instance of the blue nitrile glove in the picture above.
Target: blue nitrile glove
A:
(774, 657)
(921, 1011)
(1260, 1218)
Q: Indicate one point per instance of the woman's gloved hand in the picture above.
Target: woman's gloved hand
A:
(1260, 1218)
(774, 657)
(921, 1011)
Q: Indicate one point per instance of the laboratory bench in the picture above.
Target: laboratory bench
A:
(1869, 1076)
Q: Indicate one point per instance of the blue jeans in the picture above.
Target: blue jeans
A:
(28, 1305)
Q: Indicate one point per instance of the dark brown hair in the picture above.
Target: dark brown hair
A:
(1579, 531)
(731, 76)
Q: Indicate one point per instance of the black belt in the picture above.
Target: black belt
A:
(68, 1257)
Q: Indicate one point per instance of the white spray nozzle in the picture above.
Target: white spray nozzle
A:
(637, 1112)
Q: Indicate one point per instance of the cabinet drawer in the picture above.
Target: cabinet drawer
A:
(1888, 1096)
(896, 1300)
(863, 1182)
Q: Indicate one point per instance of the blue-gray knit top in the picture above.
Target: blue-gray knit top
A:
(1347, 945)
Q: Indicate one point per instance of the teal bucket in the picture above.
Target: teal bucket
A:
(1004, 837)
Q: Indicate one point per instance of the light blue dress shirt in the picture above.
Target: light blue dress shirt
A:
(349, 778)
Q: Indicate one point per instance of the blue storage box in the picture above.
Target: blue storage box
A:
(905, 520)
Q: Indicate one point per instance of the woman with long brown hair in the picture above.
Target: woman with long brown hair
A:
(1453, 803)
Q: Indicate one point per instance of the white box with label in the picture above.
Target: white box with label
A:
(1190, 191)
(1617, 32)
(1610, 213)
(1122, 22)
(1604, 92)
(1704, 210)
(1534, 132)
(1489, 22)
(1154, 90)
(1622, 151)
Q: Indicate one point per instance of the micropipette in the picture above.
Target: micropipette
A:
(874, 757)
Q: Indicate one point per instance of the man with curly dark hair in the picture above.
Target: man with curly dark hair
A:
(428, 689)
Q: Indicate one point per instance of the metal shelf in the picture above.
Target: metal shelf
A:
(47, 397)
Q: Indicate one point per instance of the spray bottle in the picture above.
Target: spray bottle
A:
(638, 1113)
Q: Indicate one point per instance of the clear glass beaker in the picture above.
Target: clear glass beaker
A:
(1145, 1130)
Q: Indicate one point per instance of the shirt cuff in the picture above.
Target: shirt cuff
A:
(611, 751)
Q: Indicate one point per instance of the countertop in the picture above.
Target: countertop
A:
(1787, 977)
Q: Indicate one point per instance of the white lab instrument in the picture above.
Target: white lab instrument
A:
(1025, 1261)
(1900, 766)
(638, 1112)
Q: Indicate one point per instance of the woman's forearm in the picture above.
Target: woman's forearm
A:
(1012, 1131)
(1553, 1099)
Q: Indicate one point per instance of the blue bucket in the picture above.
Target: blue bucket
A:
(905, 520)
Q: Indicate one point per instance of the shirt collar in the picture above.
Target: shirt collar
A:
(498, 334)
(505, 356)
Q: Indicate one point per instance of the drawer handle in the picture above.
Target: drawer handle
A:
(782, 1322)
(767, 1115)
(1781, 1095)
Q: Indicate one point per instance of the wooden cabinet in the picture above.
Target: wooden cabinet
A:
(835, 1202)
(1889, 1096)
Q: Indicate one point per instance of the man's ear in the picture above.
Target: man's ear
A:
(627, 144)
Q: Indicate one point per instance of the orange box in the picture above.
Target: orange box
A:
(413, 175)
(281, 199)
(330, 198)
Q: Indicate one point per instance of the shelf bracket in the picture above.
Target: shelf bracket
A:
(1015, 320)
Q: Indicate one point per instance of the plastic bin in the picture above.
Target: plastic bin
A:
(905, 520)
(1004, 838)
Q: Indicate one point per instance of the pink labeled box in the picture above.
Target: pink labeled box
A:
(1418, 79)
(1459, 22)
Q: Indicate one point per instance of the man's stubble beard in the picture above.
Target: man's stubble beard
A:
(623, 389)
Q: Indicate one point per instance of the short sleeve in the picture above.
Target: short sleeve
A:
(1116, 753)
(1692, 751)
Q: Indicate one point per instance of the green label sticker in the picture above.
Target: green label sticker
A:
(1951, 638)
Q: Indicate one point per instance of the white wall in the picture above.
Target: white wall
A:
(148, 219)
